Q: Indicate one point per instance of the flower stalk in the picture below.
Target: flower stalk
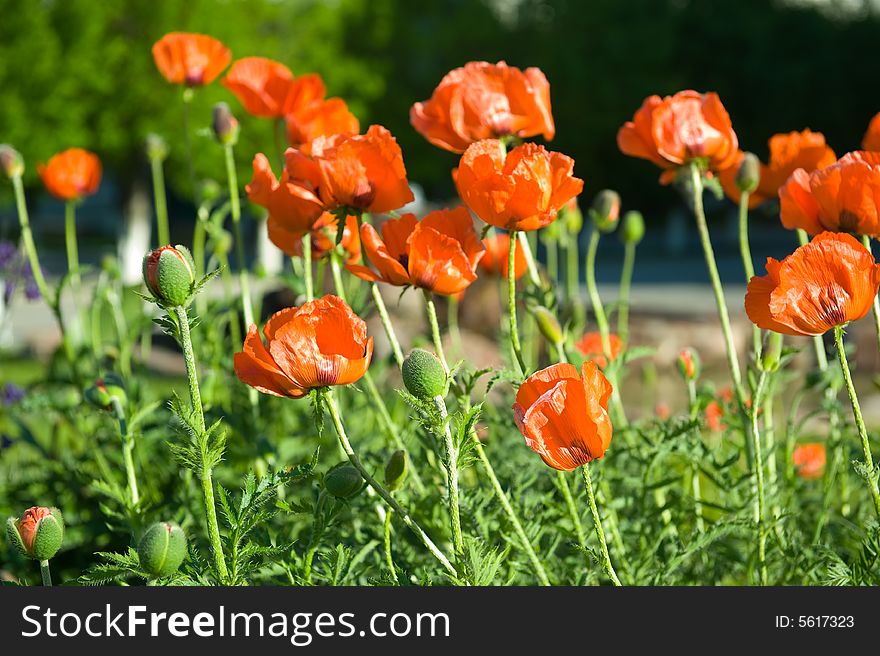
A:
(597, 524)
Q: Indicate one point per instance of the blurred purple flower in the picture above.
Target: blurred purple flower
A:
(5, 442)
(15, 268)
(8, 253)
(11, 394)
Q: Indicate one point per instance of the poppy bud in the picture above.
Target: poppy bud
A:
(209, 190)
(571, 217)
(633, 228)
(39, 532)
(423, 375)
(104, 390)
(157, 148)
(11, 161)
(343, 481)
(605, 210)
(169, 274)
(548, 324)
(688, 364)
(395, 470)
(225, 125)
(748, 175)
(162, 549)
(771, 355)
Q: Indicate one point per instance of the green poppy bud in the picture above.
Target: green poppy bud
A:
(423, 375)
(395, 470)
(162, 549)
(11, 161)
(104, 390)
(748, 175)
(225, 125)
(571, 218)
(633, 229)
(38, 534)
(343, 481)
(605, 210)
(169, 274)
(688, 364)
(548, 324)
(773, 352)
(157, 148)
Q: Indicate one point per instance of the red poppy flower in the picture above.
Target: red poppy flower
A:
(485, 101)
(563, 414)
(319, 344)
(842, 197)
(788, 152)
(590, 346)
(323, 236)
(714, 415)
(828, 282)
(439, 253)
(809, 460)
(523, 190)
(319, 119)
(494, 261)
(871, 140)
(71, 174)
(261, 85)
(190, 59)
(676, 130)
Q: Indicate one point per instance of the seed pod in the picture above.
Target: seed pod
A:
(748, 175)
(395, 470)
(38, 534)
(169, 274)
(161, 549)
(423, 375)
(548, 324)
(343, 481)
(605, 210)
(633, 229)
(688, 364)
(11, 161)
(225, 125)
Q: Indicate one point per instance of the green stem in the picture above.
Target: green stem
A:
(435, 329)
(454, 330)
(866, 240)
(70, 242)
(127, 451)
(235, 212)
(597, 523)
(693, 411)
(511, 303)
(45, 573)
(188, 94)
(572, 508)
(198, 253)
(387, 325)
(745, 252)
(593, 290)
(336, 270)
(160, 202)
(573, 283)
(531, 265)
(629, 259)
(857, 415)
(307, 265)
(758, 466)
(450, 463)
(379, 488)
(389, 559)
(199, 414)
(552, 260)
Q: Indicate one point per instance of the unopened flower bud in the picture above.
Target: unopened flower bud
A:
(169, 274)
(395, 470)
(633, 229)
(571, 217)
(748, 175)
(688, 364)
(423, 375)
(162, 549)
(548, 324)
(209, 190)
(157, 148)
(605, 210)
(225, 125)
(343, 481)
(11, 161)
(773, 352)
(104, 390)
(38, 534)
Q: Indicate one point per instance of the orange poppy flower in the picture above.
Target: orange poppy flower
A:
(319, 119)
(676, 130)
(71, 174)
(523, 190)
(590, 346)
(563, 414)
(318, 344)
(842, 197)
(714, 415)
(809, 460)
(795, 150)
(829, 282)
(494, 261)
(323, 236)
(485, 101)
(261, 85)
(871, 140)
(190, 59)
(439, 253)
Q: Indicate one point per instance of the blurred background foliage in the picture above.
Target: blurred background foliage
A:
(79, 72)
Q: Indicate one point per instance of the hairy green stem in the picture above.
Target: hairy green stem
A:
(597, 523)
(389, 559)
(387, 325)
(159, 201)
(435, 329)
(629, 259)
(572, 280)
(45, 573)
(70, 242)
(745, 251)
(758, 466)
(450, 463)
(127, 451)
(511, 303)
